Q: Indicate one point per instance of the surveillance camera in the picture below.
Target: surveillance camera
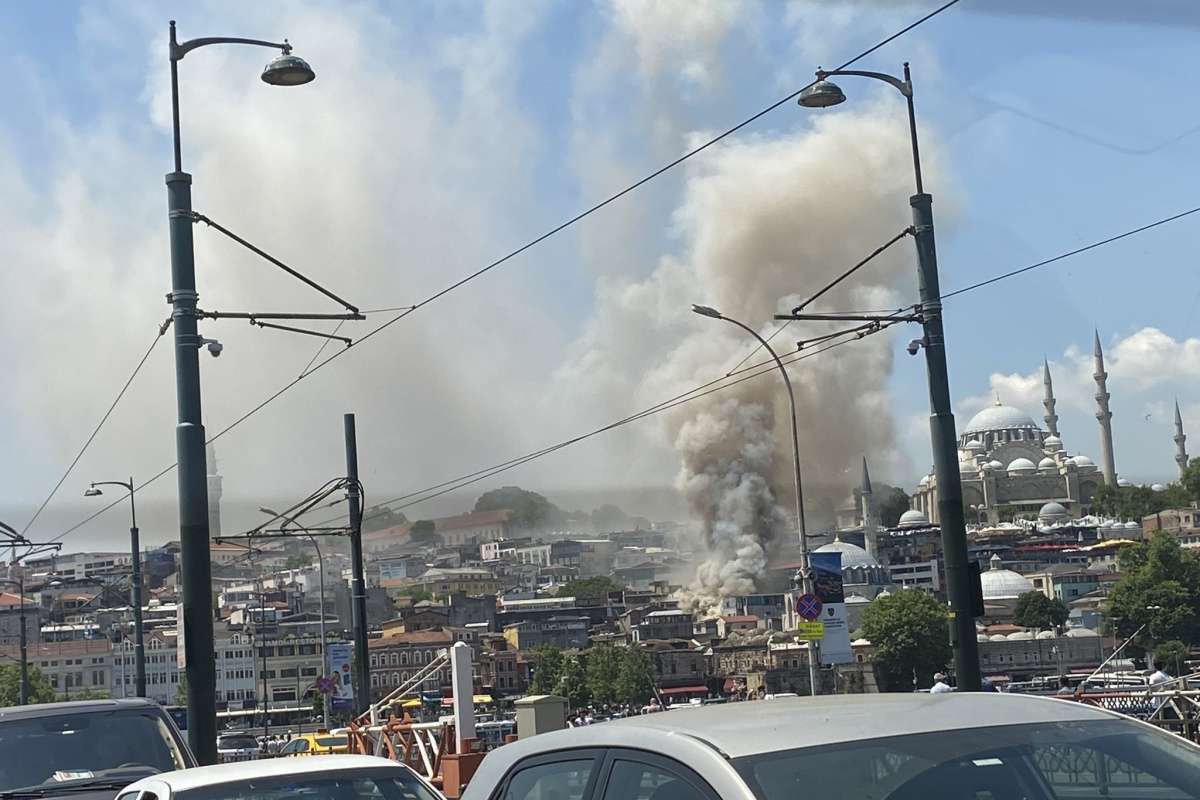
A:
(214, 347)
(914, 346)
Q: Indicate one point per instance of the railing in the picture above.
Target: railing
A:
(1174, 710)
(420, 745)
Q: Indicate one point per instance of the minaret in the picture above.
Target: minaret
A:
(214, 494)
(870, 525)
(1181, 456)
(1051, 417)
(1104, 415)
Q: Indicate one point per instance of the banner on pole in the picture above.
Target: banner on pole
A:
(827, 579)
(339, 664)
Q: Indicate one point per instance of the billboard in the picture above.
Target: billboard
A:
(827, 585)
(342, 698)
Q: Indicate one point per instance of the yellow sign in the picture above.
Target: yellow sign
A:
(811, 631)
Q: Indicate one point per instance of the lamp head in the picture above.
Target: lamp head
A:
(287, 70)
(92, 492)
(706, 311)
(822, 94)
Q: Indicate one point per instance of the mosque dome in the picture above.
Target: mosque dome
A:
(1158, 487)
(1052, 444)
(913, 519)
(924, 481)
(1053, 512)
(998, 637)
(1020, 636)
(1021, 466)
(852, 554)
(1081, 633)
(1132, 526)
(982, 637)
(1003, 584)
(1084, 463)
(999, 418)
(967, 468)
(1047, 464)
(975, 446)
(1045, 635)
(1124, 482)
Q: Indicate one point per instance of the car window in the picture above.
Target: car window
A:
(333, 741)
(295, 746)
(634, 780)
(359, 784)
(556, 780)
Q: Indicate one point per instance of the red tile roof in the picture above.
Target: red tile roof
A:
(413, 637)
(743, 618)
(14, 599)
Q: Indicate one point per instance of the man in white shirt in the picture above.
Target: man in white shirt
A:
(939, 684)
(1160, 675)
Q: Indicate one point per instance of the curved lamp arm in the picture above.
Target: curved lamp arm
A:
(178, 51)
(903, 86)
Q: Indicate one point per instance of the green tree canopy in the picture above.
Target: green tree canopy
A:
(609, 517)
(423, 531)
(181, 689)
(1135, 502)
(531, 511)
(547, 670)
(910, 633)
(1159, 588)
(597, 587)
(891, 503)
(1172, 657)
(635, 678)
(1035, 610)
(572, 682)
(1191, 480)
(40, 690)
(299, 561)
(603, 670)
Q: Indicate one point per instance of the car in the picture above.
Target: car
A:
(320, 743)
(237, 746)
(316, 778)
(87, 749)
(882, 747)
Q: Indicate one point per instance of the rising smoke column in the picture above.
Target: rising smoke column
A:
(762, 225)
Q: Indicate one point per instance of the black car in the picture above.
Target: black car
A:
(88, 750)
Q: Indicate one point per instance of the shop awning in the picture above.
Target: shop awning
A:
(479, 699)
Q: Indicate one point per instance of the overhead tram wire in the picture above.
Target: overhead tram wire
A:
(563, 226)
(95, 431)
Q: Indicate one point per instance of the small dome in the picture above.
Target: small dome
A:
(967, 468)
(1081, 633)
(1003, 584)
(998, 637)
(1047, 464)
(1021, 466)
(861, 643)
(913, 519)
(1158, 487)
(924, 481)
(856, 600)
(1045, 635)
(983, 637)
(1020, 636)
(1085, 464)
(1052, 443)
(994, 465)
(1132, 526)
(884, 593)
(852, 554)
(999, 418)
(975, 446)
(1124, 482)
(1053, 512)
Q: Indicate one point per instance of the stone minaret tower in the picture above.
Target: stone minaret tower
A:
(1051, 417)
(214, 494)
(870, 524)
(1181, 456)
(1104, 415)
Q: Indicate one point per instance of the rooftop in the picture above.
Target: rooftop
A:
(414, 637)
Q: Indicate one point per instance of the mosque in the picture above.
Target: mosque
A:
(1008, 463)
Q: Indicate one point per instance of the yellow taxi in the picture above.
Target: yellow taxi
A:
(316, 744)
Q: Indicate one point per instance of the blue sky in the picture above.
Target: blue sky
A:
(440, 135)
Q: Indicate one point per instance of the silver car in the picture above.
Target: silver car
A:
(852, 747)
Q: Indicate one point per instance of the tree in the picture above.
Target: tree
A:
(597, 588)
(40, 690)
(376, 518)
(635, 679)
(530, 510)
(181, 689)
(1159, 588)
(1172, 656)
(547, 670)
(1136, 502)
(424, 531)
(1191, 480)
(603, 670)
(1035, 610)
(910, 634)
(891, 504)
(572, 682)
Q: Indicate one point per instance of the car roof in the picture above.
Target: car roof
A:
(74, 707)
(183, 780)
(786, 723)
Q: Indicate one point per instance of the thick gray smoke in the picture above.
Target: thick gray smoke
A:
(764, 224)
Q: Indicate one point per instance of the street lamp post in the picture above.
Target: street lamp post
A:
(23, 696)
(196, 570)
(135, 588)
(822, 94)
(321, 575)
(806, 573)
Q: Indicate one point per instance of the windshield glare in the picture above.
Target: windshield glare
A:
(87, 747)
(387, 784)
(1076, 760)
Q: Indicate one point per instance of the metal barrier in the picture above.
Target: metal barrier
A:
(1176, 710)
(420, 745)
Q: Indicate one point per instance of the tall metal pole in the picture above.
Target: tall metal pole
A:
(942, 430)
(196, 569)
(324, 641)
(24, 691)
(358, 591)
(135, 591)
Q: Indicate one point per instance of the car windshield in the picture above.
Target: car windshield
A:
(240, 742)
(385, 784)
(85, 748)
(1115, 760)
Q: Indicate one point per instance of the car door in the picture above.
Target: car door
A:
(562, 775)
(640, 775)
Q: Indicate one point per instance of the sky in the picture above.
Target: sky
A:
(439, 136)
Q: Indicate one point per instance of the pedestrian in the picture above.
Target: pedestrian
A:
(1064, 687)
(940, 686)
(1160, 675)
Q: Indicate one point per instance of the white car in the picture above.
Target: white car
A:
(340, 777)
(966, 746)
